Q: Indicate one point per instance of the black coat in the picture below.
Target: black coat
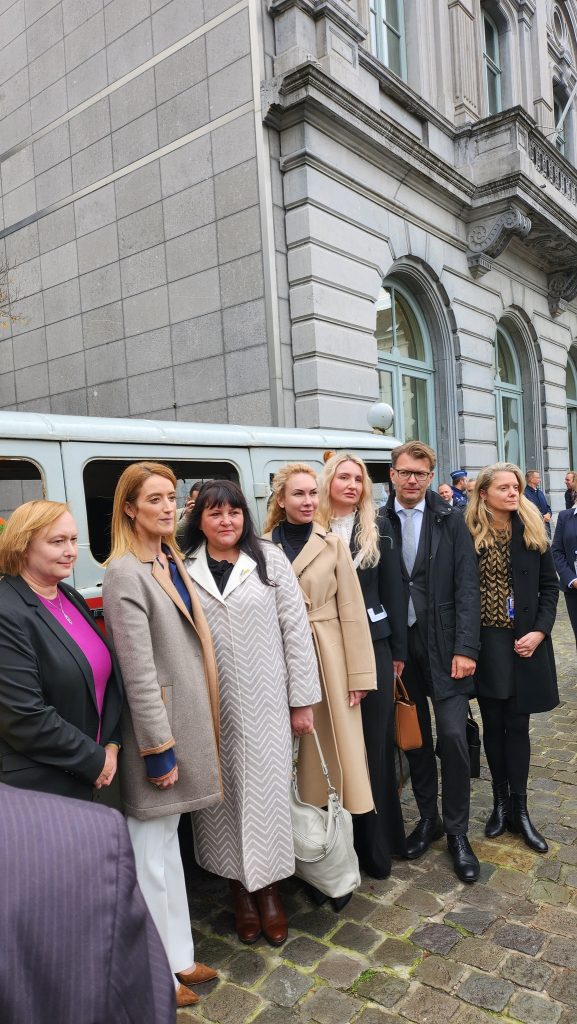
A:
(536, 592)
(564, 547)
(382, 587)
(48, 713)
(452, 583)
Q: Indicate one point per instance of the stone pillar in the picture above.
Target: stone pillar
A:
(465, 60)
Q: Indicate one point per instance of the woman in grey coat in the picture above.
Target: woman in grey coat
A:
(268, 679)
(170, 721)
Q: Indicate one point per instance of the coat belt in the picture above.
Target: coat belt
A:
(325, 612)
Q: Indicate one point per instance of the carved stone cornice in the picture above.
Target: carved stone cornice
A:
(525, 11)
(487, 241)
(402, 93)
(334, 10)
(562, 288)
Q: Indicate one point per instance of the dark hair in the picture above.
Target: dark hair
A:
(215, 494)
(195, 487)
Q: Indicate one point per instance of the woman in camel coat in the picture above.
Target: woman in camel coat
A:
(339, 624)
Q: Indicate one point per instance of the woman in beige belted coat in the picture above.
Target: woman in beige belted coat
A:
(338, 619)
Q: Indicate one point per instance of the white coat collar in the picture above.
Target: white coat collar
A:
(197, 566)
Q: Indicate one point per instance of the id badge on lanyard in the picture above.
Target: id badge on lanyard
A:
(510, 607)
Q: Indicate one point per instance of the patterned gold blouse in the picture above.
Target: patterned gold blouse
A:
(494, 576)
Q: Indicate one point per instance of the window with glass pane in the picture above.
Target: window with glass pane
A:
(511, 411)
(558, 107)
(506, 361)
(387, 33)
(405, 364)
(571, 393)
(492, 62)
(508, 400)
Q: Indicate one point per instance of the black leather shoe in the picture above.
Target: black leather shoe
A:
(340, 902)
(427, 830)
(518, 820)
(465, 863)
(497, 821)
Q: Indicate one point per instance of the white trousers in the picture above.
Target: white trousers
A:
(161, 878)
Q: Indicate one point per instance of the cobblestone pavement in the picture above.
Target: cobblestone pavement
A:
(421, 946)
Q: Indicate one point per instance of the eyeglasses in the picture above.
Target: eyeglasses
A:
(420, 475)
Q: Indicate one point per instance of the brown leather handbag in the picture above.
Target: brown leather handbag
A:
(407, 728)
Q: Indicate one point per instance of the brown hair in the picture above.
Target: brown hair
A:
(127, 490)
(276, 514)
(415, 450)
(25, 523)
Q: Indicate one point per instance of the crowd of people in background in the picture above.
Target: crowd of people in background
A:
(223, 645)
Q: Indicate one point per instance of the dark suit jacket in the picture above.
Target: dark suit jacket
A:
(382, 588)
(564, 547)
(48, 714)
(78, 944)
(453, 610)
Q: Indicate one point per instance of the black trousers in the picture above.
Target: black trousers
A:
(451, 724)
(571, 602)
(506, 742)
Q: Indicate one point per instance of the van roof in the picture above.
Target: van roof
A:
(48, 427)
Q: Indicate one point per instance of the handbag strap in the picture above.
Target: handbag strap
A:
(401, 691)
(325, 771)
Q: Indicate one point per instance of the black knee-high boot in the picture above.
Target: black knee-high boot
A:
(497, 821)
(518, 820)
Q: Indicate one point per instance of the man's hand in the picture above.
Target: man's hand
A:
(398, 667)
(461, 667)
(547, 517)
(109, 769)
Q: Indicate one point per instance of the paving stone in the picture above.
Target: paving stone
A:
(285, 986)
(564, 988)
(561, 951)
(550, 869)
(437, 938)
(514, 882)
(523, 911)
(439, 881)
(246, 968)
(370, 1015)
(472, 1015)
(559, 834)
(533, 1009)
(516, 936)
(359, 908)
(339, 970)
(212, 951)
(480, 953)
(543, 891)
(382, 988)
(556, 920)
(509, 855)
(356, 937)
(487, 899)
(396, 953)
(303, 951)
(394, 920)
(483, 990)
(278, 1015)
(526, 971)
(229, 1004)
(567, 855)
(423, 903)
(471, 919)
(439, 973)
(315, 922)
(429, 1005)
(326, 1006)
(377, 886)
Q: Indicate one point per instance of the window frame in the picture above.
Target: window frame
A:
(490, 67)
(572, 415)
(379, 25)
(508, 390)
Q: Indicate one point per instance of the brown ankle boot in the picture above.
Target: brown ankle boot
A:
(184, 997)
(272, 915)
(246, 915)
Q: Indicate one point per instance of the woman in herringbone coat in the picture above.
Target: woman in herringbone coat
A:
(169, 762)
(268, 682)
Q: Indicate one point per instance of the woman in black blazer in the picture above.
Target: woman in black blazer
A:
(564, 551)
(515, 674)
(60, 688)
(346, 507)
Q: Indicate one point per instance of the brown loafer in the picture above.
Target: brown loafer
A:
(197, 976)
(184, 997)
(272, 915)
(246, 915)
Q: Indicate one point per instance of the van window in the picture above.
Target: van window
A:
(20, 480)
(102, 475)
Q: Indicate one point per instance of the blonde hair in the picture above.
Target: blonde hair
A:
(127, 490)
(23, 526)
(275, 514)
(478, 517)
(366, 535)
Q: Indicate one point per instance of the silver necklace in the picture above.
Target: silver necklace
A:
(62, 612)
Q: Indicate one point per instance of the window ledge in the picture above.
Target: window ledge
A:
(406, 97)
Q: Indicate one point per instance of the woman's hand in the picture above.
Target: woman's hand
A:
(302, 721)
(355, 697)
(526, 645)
(168, 781)
(110, 764)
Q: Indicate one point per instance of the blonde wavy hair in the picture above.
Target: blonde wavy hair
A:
(275, 514)
(23, 526)
(366, 535)
(127, 490)
(478, 516)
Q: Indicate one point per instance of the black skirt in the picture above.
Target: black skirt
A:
(495, 674)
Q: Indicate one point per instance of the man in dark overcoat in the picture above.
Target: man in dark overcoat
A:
(441, 583)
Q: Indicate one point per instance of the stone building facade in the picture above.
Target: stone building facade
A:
(278, 211)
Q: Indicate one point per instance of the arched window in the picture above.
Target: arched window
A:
(492, 65)
(558, 108)
(387, 30)
(405, 364)
(572, 412)
(508, 401)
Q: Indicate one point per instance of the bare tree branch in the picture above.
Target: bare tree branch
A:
(9, 296)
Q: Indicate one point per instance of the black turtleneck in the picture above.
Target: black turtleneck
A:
(292, 537)
(220, 571)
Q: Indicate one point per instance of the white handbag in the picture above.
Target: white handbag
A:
(323, 839)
